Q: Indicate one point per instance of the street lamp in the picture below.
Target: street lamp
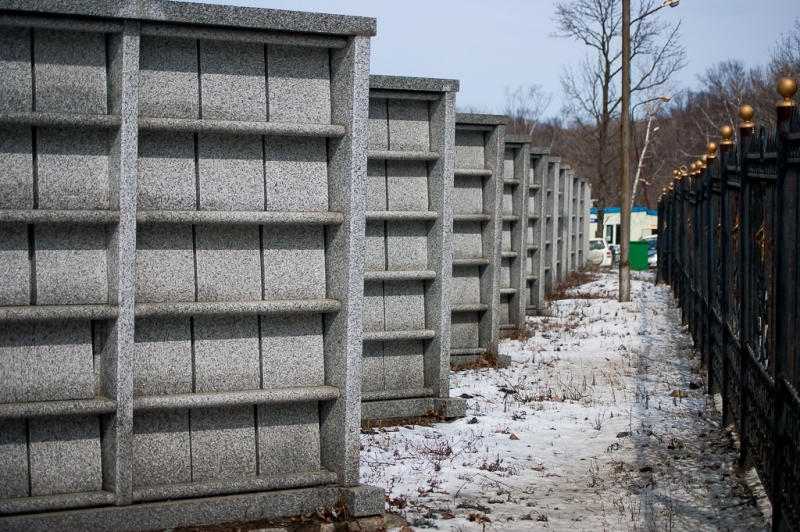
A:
(625, 149)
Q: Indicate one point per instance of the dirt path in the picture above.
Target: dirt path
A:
(601, 423)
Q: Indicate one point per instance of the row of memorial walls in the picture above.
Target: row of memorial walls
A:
(514, 252)
(537, 221)
(408, 277)
(180, 238)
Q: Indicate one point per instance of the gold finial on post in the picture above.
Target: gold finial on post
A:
(711, 148)
(787, 87)
(663, 191)
(684, 171)
(672, 186)
(726, 132)
(746, 128)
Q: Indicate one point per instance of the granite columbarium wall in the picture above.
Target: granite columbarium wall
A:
(408, 277)
(477, 233)
(551, 210)
(564, 222)
(514, 251)
(181, 237)
(537, 222)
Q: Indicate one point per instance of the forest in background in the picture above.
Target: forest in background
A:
(679, 130)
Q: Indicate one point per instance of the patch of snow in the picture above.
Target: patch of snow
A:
(600, 423)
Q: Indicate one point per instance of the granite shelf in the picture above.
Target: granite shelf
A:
(531, 277)
(534, 186)
(401, 215)
(241, 127)
(468, 351)
(46, 503)
(399, 275)
(242, 35)
(235, 485)
(477, 261)
(471, 218)
(472, 172)
(469, 307)
(508, 291)
(36, 118)
(35, 216)
(533, 247)
(403, 95)
(386, 395)
(200, 308)
(389, 336)
(299, 394)
(511, 181)
(510, 217)
(58, 312)
(509, 254)
(240, 217)
(98, 405)
(398, 155)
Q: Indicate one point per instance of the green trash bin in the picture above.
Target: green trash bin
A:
(639, 255)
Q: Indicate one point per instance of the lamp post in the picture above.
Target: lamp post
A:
(625, 150)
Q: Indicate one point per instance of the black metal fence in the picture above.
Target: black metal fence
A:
(729, 242)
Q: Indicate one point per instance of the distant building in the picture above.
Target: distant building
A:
(643, 223)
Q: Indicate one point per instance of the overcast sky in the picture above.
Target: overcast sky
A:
(489, 46)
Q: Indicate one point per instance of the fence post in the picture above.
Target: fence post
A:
(746, 130)
(785, 304)
(726, 245)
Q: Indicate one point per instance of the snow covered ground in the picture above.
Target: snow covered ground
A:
(601, 423)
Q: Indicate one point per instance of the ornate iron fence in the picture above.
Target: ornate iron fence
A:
(729, 244)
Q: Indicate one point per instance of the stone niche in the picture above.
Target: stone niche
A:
(181, 253)
(537, 221)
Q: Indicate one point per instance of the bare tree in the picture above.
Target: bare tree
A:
(785, 57)
(525, 107)
(593, 92)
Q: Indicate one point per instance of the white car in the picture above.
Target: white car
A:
(652, 250)
(599, 252)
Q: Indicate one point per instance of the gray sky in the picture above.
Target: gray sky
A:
(489, 46)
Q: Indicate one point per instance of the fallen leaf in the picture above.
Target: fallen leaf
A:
(513, 437)
(678, 393)
(645, 469)
(472, 421)
(557, 399)
(447, 515)
(623, 434)
(466, 396)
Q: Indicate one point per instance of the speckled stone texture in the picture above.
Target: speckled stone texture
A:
(16, 166)
(64, 455)
(162, 362)
(280, 123)
(13, 458)
(215, 429)
(15, 69)
(166, 177)
(293, 262)
(168, 80)
(71, 264)
(15, 272)
(296, 173)
(280, 428)
(70, 69)
(299, 85)
(161, 448)
(72, 168)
